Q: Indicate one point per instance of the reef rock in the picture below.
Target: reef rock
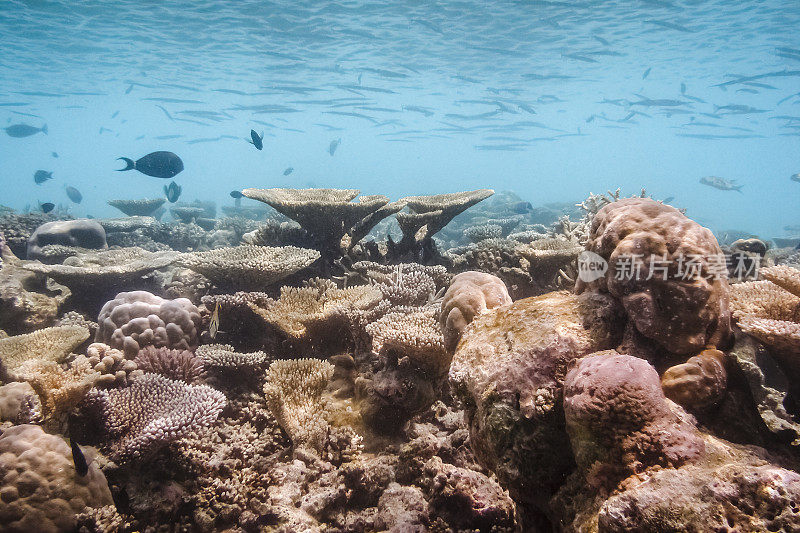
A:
(509, 369)
(82, 233)
(470, 294)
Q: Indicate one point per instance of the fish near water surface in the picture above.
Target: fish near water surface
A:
(288, 171)
(795, 177)
(24, 130)
(255, 140)
(160, 164)
(333, 146)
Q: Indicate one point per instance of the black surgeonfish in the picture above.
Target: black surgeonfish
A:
(173, 192)
(256, 141)
(81, 466)
(163, 165)
(47, 207)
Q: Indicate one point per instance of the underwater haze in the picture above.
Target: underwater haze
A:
(550, 100)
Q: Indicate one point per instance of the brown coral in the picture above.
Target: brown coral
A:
(667, 271)
(699, 382)
(49, 344)
(470, 294)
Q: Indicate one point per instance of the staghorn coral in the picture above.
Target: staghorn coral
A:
(469, 295)
(49, 344)
(179, 365)
(784, 276)
(225, 357)
(153, 411)
(294, 395)
(133, 320)
(672, 287)
(41, 491)
(82, 233)
(328, 215)
(247, 266)
(144, 207)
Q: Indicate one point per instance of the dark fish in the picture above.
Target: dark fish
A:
(74, 194)
(173, 192)
(47, 207)
(646, 73)
(795, 177)
(163, 165)
(81, 466)
(54, 154)
(256, 141)
(721, 183)
(333, 146)
(41, 176)
(288, 171)
(236, 194)
(23, 130)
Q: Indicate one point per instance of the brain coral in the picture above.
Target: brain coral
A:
(39, 488)
(133, 320)
(470, 294)
(665, 270)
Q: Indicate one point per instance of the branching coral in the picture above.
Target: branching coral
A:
(247, 266)
(225, 357)
(294, 395)
(137, 319)
(153, 412)
(180, 365)
(41, 491)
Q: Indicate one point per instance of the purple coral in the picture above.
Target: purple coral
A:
(619, 420)
(180, 365)
(152, 412)
(133, 320)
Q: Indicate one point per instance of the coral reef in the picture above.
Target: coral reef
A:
(114, 369)
(144, 207)
(671, 285)
(82, 233)
(225, 357)
(248, 266)
(133, 320)
(48, 344)
(469, 295)
(18, 228)
(152, 412)
(179, 365)
(294, 395)
(40, 489)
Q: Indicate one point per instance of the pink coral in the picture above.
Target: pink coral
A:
(619, 420)
(154, 411)
(470, 294)
(133, 320)
(683, 313)
(181, 365)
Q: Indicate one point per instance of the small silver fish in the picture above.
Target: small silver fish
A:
(721, 183)
(795, 177)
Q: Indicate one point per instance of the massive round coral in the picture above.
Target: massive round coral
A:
(470, 294)
(667, 270)
(40, 489)
(137, 319)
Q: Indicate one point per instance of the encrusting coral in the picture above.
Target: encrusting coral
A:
(152, 412)
(248, 266)
(133, 320)
(469, 295)
(294, 395)
(40, 489)
(666, 270)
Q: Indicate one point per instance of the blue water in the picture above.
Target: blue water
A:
(479, 62)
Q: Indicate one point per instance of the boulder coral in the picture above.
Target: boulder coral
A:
(82, 233)
(666, 270)
(470, 294)
(39, 487)
(133, 320)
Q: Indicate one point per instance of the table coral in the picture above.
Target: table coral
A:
(39, 487)
(49, 344)
(248, 266)
(133, 320)
(664, 269)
